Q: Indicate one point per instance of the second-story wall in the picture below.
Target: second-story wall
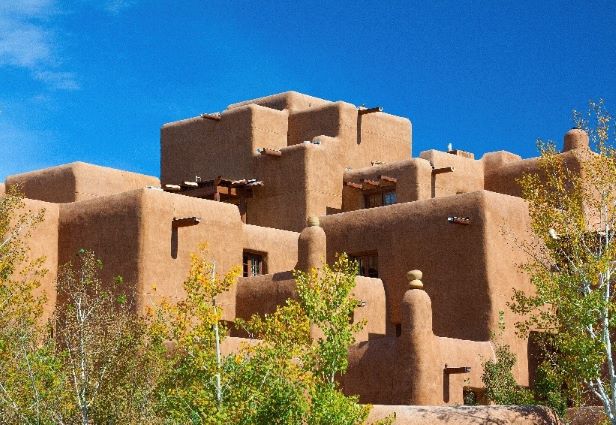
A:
(209, 148)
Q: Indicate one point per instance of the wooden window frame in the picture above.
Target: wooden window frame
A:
(361, 258)
(380, 196)
(248, 262)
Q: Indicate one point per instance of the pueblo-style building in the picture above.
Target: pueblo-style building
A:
(288, 181)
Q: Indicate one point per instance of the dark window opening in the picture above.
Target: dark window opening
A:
(398, 329)
(368, 264)
(379, 199)
(253, 264)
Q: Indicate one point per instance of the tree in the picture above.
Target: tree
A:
(199, 383)
(573, 217)
(500, 384)
(110, 358)
(324, 303)
(28, 367)
(283, 376)
(100, 362)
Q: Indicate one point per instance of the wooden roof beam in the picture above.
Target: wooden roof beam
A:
(388, 179)
(354, 185)
(215, 116)
(443, 170)
(185, 221)
(270, 152)
(369, 184)
(365, 111)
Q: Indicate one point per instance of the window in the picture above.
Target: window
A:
(253, 264)
(368, 264)
(379, 199)
(389, 198)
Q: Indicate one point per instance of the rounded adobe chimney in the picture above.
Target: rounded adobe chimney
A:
(576, 138)
(311, 246)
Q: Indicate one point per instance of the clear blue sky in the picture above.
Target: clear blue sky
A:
(94, 80)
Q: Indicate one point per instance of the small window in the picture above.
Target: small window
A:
(389, 198)
(374, 200)
(368, 264)
(253, 264)
(379, 199)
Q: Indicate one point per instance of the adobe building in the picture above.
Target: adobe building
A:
(288, 181)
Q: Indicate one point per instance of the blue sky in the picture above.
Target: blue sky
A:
(94, 80)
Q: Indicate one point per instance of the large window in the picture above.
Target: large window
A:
(379, 199)
(253, 264)
(368, 264)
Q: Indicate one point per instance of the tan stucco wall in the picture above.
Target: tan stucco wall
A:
(209, 148)
(307, 178)
(469, 270)
(2, 189)
(220, 229)
(78, 181)
(413, 181)
(466, 177)
(504, 179)
(417, 235)
(410, 369)
(263, 294)
(361, 139)
(279, 246)
(132, 234)
(43, 242)
(290, 100)
(371, 293)
(305, 181)
(507, 226)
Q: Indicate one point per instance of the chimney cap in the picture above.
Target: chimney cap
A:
(313, 221)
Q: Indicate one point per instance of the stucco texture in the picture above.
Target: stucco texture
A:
(77, 181)
(465, 415)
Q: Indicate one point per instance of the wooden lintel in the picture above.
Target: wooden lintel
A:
(173, 187)
(185, 221)
(270, 152)
(354, 185)
(216, 116)
(443, 170)
(388, 179)
(455, 370)
(369, 110)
